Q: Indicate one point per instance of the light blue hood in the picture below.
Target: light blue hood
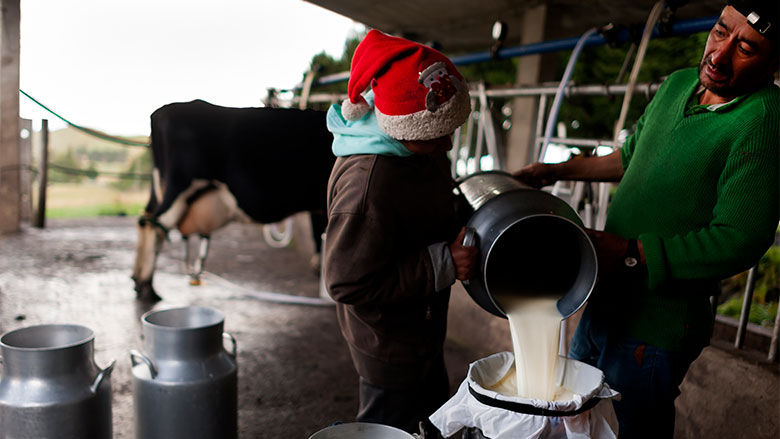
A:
(362, 136)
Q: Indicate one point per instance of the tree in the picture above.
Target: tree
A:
(324, 64)
(595, 116)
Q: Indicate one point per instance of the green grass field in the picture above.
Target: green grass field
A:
(81, 200)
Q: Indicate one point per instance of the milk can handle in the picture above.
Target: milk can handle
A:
(234, 348)
(469, 240)
(101, 376)
(469, 237)
(135, 355)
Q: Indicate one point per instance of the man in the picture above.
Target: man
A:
(393, 247)
(697, 202)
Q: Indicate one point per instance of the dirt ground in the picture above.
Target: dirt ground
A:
(295, 374)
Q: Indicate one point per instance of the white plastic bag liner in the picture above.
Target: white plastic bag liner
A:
(588, 415)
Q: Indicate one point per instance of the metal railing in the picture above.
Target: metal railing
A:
(744, 318)
(478, 138)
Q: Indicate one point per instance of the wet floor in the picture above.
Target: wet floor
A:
(295, 375)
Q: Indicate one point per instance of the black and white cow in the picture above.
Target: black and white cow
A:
(213, 165)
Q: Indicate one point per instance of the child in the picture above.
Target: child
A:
(393, 242)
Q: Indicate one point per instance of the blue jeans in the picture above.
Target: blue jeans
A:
(647, 377)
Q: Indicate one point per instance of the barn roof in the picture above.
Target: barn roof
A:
(465, 25)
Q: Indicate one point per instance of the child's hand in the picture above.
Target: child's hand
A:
(464, 258)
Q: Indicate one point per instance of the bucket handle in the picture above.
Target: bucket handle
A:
(234, 346)
(135, 356)
(103, 374)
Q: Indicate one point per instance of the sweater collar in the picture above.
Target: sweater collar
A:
(693, 107)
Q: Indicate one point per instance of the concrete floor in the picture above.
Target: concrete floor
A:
(295, 375)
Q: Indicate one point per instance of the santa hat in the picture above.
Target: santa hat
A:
(418, 92)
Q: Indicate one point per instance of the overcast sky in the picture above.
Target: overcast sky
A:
(107, 64)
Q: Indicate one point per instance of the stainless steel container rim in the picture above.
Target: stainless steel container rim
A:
(355, 430)
(85, 335)
(463, 178)
(512, 224)
(156, 318)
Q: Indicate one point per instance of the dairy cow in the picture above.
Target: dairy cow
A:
(213, 165)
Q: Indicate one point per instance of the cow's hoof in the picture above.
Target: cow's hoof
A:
(144, 292)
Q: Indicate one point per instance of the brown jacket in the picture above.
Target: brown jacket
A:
(383, 213)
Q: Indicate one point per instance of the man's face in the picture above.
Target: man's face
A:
(737, 59)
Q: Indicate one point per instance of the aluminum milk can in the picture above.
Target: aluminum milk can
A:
(186, 383)
(51, 387)
(530, 242)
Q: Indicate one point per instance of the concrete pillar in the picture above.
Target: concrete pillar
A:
(519, 147)
(10, 187)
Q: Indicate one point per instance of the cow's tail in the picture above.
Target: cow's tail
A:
(157, 191)
(157, 140)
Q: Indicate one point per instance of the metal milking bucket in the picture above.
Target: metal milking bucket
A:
(186, 386)
(361, 430)
(530, 242)
(51, 387)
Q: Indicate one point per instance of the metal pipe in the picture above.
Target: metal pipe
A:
(604, 188)
(646, 89)
(574, 90)
(454, 152)
(682, 27)
(489, 128)
(539, 123)
(775, 335)
(745, 313)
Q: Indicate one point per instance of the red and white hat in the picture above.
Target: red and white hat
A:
(418, 92)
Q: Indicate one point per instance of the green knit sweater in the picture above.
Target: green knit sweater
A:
(700, 191)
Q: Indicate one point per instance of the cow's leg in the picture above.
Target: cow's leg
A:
(188, 258)
(200, 259)
(208, 212)
(150, 238)
(195, 262)
(319, 222)
(151, 233)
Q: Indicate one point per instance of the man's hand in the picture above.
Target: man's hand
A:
(464, 258)
(537, 175)
(611, 251)
(592, 168)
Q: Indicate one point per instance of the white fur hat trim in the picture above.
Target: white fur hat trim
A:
(356, 111)
(425, 124)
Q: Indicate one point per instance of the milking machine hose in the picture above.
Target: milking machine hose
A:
(553, 117)
(269, 296)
